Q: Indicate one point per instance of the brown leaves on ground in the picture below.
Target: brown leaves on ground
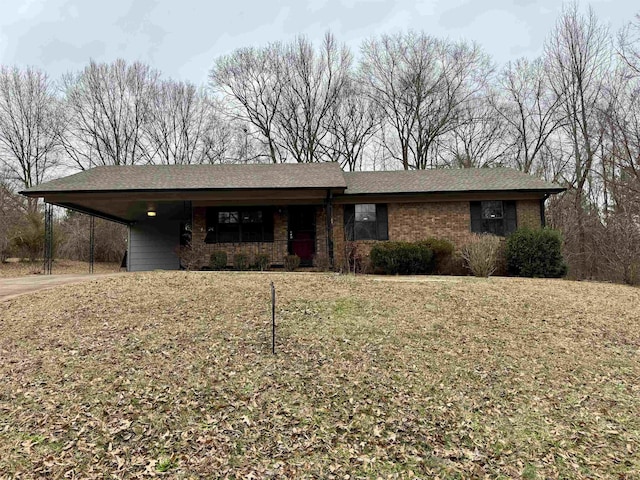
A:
(16, 268)
(171, 374)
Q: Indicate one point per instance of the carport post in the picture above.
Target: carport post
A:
(48, 238)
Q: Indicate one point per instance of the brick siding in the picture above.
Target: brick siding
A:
(407, 222)
(420, 220)
(528, 212)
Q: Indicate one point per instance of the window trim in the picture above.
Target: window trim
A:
(502, 226)
(266, 234)
(380, 225)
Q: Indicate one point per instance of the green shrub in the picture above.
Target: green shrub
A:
(481, 255)
(442, 253)
(291, 262)
(535, 253)
(218, 260)
(241, 261)
(402, 258)
(262, 261)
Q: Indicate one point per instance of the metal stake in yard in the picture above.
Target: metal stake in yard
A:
(273, 318)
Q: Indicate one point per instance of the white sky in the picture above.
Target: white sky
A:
(182, 38)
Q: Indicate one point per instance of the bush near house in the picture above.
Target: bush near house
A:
(404, 258)
(241, 261)
(291, 262)
(261, 262)
(443, 251)
(482, 254)
(535, 253)
(218, 260)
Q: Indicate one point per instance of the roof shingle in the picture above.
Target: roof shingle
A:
(291, 176)
(444, 180)
(197, 177)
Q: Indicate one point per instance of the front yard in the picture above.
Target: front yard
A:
(172, 373)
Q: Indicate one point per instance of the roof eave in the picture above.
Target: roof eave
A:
(40, 193)
(470, 192)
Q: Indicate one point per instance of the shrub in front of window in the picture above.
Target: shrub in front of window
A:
(291, 262)
(262, 261)
(481, 255)
(403, 258)
(241, 261)
(442, 252)
(218, 260)
(535, 253)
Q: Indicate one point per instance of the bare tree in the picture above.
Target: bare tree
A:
(29, 120)
(578, 59)
(252, 79)
(419, 83)
(529, 108)
(108, 106)
(629, 45)
(313, 85)
(353, 122)
(477, 140)
(176, 130)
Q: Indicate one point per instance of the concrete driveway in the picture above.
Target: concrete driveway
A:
(11, 287)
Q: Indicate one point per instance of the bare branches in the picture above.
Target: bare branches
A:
(419, 83)
(108, 106)
(530, 111)
(29, 120)
(251, 78)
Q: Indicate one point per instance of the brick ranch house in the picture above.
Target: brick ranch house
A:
(311, 210)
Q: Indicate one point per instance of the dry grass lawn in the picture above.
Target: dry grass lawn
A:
(172, 374)
(15, 268)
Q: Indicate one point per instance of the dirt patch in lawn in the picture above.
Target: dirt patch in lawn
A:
(141, 374)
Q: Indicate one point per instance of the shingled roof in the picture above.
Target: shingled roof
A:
(149, 178)
(444, 181)
(130, 178)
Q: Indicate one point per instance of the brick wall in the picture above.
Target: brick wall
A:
(416, 221)
(276, 250)
(528, 212)
(407, 222)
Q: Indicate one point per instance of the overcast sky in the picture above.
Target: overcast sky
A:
(183, 37)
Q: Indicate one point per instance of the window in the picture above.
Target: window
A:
(366, 221)
(494, 216)
(242, 225)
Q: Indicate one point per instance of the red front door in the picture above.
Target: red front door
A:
(302, 232)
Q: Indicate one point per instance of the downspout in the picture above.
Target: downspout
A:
(329, 215)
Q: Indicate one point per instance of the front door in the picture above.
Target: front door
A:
(302, 233)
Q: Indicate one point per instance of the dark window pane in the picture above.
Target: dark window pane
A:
(494, 226)
(365, 231)
(366, 212)
(492, 209)
(228, 217)
(211, 236)
(252, 216)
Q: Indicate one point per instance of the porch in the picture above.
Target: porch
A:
(271, 231)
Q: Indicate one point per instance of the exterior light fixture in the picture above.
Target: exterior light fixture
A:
(151, 213)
